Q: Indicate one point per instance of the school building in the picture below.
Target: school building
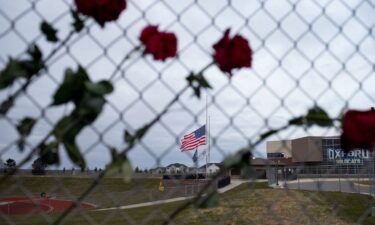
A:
(318, 155)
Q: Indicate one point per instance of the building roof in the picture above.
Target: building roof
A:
(210, 164)
(176, 165)
(159, 167)
(258, 162)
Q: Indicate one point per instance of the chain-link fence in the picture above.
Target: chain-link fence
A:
(91, 119)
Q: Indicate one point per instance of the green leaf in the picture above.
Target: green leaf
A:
(127, 171)
(74, 153)
(72, 87)
(78, 23)
(48, 153)
(314, 116)
(30, 67)
(11, 72)
(142, 131)
(231, 160)
(197, 82)
(114, 154)
(240, 160)
(21, 68)
(190, 78)
(49, 32)
(268, 133)
(62, 127)
(203, 82)
(25, 126)
(128, 137)
(33, 65)
(68, 128)
(101, 88)
(197, 92)
(24, 129)
(21, 144)
(67, 90)
(298, 121)
(90, 105)
(120, 165)
(317, 116)
(35, 54)
(209, 201)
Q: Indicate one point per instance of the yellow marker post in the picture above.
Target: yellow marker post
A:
(161, 186)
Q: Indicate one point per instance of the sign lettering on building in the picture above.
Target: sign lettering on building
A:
(352, 157)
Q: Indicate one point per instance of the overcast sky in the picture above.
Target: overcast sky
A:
(302, 55)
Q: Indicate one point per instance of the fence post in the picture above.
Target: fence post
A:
(285, 171)
(299, 187)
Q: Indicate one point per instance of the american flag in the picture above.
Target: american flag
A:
(193, 140)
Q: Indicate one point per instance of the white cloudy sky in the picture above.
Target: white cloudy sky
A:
(305, 52)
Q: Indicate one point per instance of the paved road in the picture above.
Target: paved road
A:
(330, 184)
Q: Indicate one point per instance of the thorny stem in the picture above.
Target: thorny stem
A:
(123, 152)
(8, 103)
(127, 56)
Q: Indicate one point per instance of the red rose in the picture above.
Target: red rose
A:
(159, 44)
(101, 10)
(358, 130)
(232, 53)
(147, 33)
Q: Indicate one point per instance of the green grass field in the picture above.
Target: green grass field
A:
(110, 192)
(246, 204)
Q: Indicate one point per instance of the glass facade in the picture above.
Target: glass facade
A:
(336, 161)
(274, 155)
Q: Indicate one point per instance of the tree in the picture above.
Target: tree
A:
(136, 170)
(2, 165)
(10, 164)
(39, 167)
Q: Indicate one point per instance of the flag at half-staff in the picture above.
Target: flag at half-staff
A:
(193, 140)
(195, 156)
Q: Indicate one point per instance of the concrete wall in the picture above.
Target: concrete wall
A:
(283, 146)
(307, 149)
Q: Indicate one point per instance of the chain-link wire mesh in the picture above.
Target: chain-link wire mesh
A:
(305, 54)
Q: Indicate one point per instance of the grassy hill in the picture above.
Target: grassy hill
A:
(246, 204)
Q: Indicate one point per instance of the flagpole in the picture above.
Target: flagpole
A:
(207, 138)
(196, 167)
